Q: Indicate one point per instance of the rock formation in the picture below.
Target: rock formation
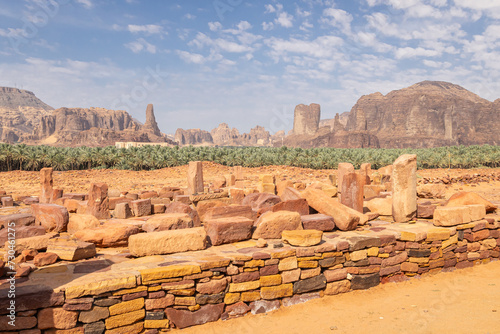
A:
(151, 124)
(193, 137)
(306, 119)
(427, 114)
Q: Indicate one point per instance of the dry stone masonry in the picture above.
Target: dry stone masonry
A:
(118, 262)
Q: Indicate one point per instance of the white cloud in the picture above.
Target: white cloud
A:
(188, 57)
(338, 18)
(86, 3)
(269, 9)
(267, 26)
(244, 25)
(409, 52)
(380, 22)
(148, 29)
(284, 19)
(189, 16)
(436, 64)
(478, 4)
(214, 26)
(305, 26)
(141, 45)
(321, 47)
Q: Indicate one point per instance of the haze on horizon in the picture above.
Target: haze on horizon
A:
(245, 63)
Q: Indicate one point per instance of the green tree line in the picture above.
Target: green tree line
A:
(33, 158)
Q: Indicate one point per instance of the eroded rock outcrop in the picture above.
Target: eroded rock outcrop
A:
(306, 119)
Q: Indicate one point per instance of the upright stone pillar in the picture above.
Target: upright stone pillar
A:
(343, 169)
(195, 177)
(46, 183)
(352, 191)
(238, 172)
(366, 169)
(404, 188)
(98, 203)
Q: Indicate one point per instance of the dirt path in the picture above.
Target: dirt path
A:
(463, 301)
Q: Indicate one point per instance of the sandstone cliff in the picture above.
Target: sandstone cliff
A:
(195, 137)
(427, 114)
(306, 119)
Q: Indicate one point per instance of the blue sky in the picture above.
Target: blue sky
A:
(245, 63)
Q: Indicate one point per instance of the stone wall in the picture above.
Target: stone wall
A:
(181, 290)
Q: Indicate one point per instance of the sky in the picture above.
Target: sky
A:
(246, 63)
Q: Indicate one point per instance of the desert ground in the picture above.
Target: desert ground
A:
(462, 301)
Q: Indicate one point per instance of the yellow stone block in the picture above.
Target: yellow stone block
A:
(182, 292)
(331, 254)
(245, 286)
(283, 254)
(435, 234)
(250, 269)
(194, 307)
(159, 273)
(358, 255)
(383, 255)
(330, 191)
(412, 236)
(214, 262)
(135, 328)
(97, 287)
(250, 296)
(288, 263)
(125, 319)
(372, 251)
(279, 291)
(450, 241)
(270, 280)
(420, 260)
(266, 178)
(231, 298)
(127, 291)
(307, 264)
(465, 226)
(185, 301)
(154, 288)
(267, 188)
(157, 323)
(254, 263)
(309, 258)
(126, 307)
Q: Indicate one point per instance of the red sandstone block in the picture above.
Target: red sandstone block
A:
(227, 230)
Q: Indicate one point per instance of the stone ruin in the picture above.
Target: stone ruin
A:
(235, 245)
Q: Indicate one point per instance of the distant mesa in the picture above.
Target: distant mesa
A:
(427, 114)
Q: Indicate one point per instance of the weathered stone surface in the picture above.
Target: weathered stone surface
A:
(380, 205)
(171, 271)
(22, 232)
(404, 188)
(302, 238)
(310, 284)
(178, 207)
(108, 235)
(301, 298)
(94, 328)
(46, 184)
(452, 216)
(431, 190)
(95, 314)
(343, 169)
(290, 194)
(278, 291)
(318, 222)
(345, 218)
(81, 221)
(207, 313)
(337, 287)
(98, 203)
(306, 119)
(71, 250)
(352, 193)
(297, 205)
(168, 221)
(160, 303)
(335, 275)
(123, 210)
(227, 230)
(126, 307)
(31, 297)
(426, 210)
(141, 207)
(125, 319)
(129, 329)
(271, 224)
(212, 287)
(44, 259)
(361, 282)
(195, 177)
(264, 306)
(228, 211)
(19, 219)
(54, 218)
(468, 198)
(56, 318)
(20, 324)
(167, 242)
(372, 190)
(261, 201)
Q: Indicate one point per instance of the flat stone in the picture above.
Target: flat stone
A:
(95, 314)
(81, 221)
(125, 319)
(318, 222)
(228, 230)
(19, 219)
(56, 318)
(167, 242)
(299, 299)
(168, 221)
(126, 307)
(108, 235)
(271, 224)
(71, 250)
(264, 306)
(452, 216)
(94, 328)
(31, 297)
(275, 292)
(52, 217)
(171, 271)
(303, 238)
(361, 282)
(141, 207)
(310, 284)
(337, 287)
(207, 313)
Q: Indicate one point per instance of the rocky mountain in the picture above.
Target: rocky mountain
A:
(195, 137)
(26, 119)
(427, 114)
(20, 113)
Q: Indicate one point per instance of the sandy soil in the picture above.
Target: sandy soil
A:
(462, 301)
